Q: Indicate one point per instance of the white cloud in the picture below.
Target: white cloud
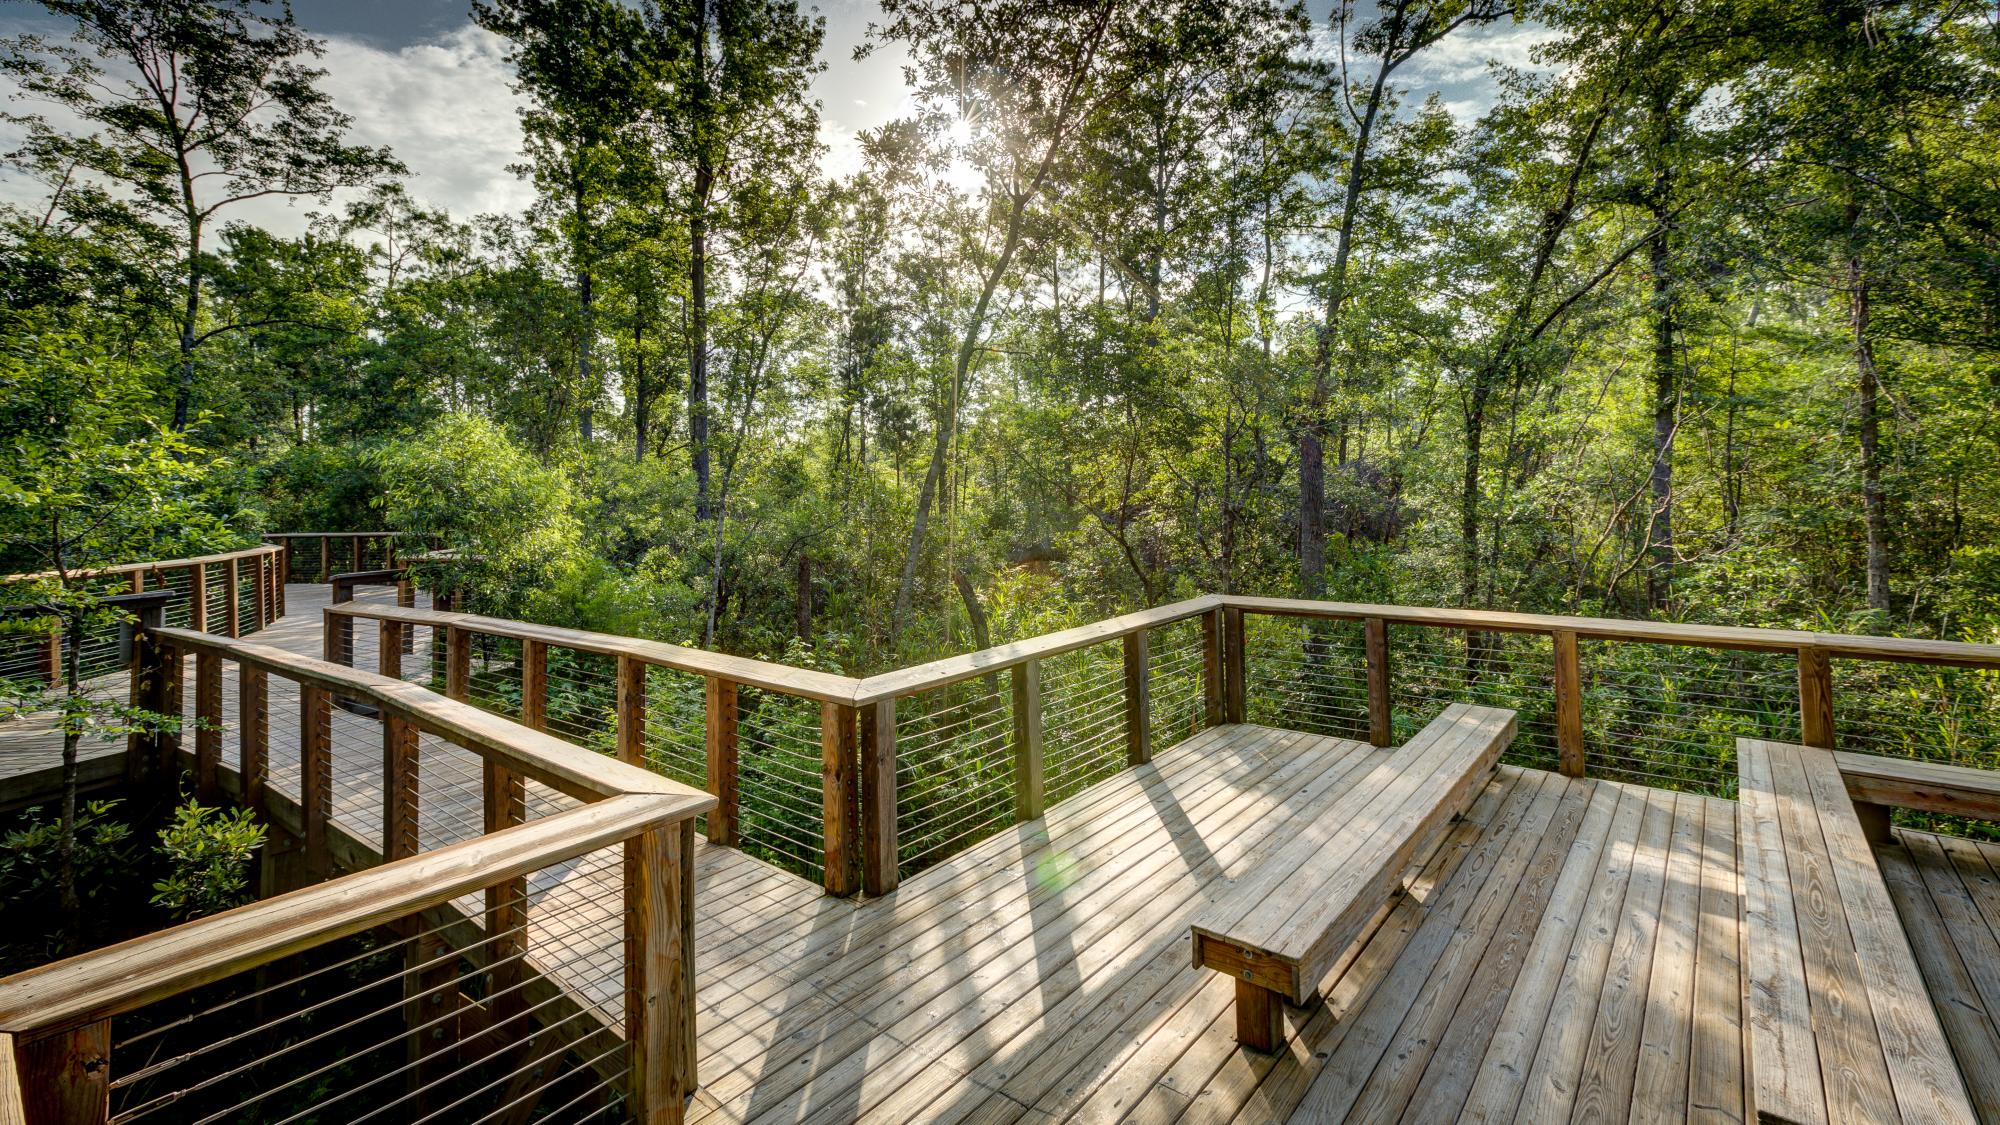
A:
(444, 108)
(1468, 55)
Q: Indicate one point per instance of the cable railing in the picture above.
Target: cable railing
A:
(316, 556)
(858, 784)
(490, 921)
(232, 594)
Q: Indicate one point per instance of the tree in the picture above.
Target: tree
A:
(583, 64)
(89, 482)
(197, 105)
(729, 110)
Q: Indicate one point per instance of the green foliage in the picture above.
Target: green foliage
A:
(209, 852)
(29, 859)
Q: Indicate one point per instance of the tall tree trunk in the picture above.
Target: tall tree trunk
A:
(586, 395)
(1470, 489)
(69, 903)
(1312, 510)
(1666, 396)
(1873, 507)
(704, 185)
(804, 594)
(190, 321)
(642, 405)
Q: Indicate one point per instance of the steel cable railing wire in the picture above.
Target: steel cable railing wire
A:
(1669, 715)
(954, 769)
(1306, 675)
(779, 780)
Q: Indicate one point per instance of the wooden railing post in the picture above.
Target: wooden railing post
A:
(389, 648)
(535, 685)
(720, 700)
(659, 973)
(232, 612)
(156, 672)
(208, 728)
(316, 776)
(1815, 697)
(66, 1076)
(1138, 700)
(1028, 783)
(631, 704)
(1233, 704)
(506, 805)
(253, 735)
(260, 592)
(198, 590)
(1211, 668)
(399, 788)
(839, 815)
(283, 577)
(457, 663)
(1381, 713)
(1569, 704)
(50, 658)
(354, 544)
(325, 556)
(880, 857)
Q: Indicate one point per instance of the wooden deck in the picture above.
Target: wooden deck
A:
(1570, 951)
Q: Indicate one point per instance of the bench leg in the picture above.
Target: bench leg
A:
(1874, 822)
(1260, 1017)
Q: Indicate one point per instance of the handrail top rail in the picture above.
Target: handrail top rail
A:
(1902, 649)
(828, 687)
(563, 766)
(120, 978)
(145, 567)
(378, 576)
(333, 534)
(952, 669)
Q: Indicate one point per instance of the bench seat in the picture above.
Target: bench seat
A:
(1879, 784)
(1839, 1024)
(1283, 924)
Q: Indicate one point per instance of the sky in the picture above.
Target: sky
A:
(419, 77)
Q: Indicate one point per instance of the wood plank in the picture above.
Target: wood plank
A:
(1381, 703)
(1659, 1090)
(1782, 1059)
(1815, 696)
(1851, 1055)
(990, 968)
(1613, 818)
(1453, 1067)
(1965, 1013)
(1715, 1069)
(1560, 1072)
(1375, 1074)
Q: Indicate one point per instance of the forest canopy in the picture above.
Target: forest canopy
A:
(1698, 317)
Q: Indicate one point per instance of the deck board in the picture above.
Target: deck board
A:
(1572, 949)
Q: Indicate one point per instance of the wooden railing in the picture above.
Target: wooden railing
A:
(57, 1060)
(315, 556)
(233, 594)
(874, 778)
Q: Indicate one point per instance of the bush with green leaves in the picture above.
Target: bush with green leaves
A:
(209, 851)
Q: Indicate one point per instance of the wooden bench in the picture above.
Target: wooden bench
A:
(1839, 1024)
(1878, 784)
(1281, 927)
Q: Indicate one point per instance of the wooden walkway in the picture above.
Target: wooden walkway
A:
(1570, 951)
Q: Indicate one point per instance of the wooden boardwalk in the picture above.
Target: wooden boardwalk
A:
(1570, 951)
